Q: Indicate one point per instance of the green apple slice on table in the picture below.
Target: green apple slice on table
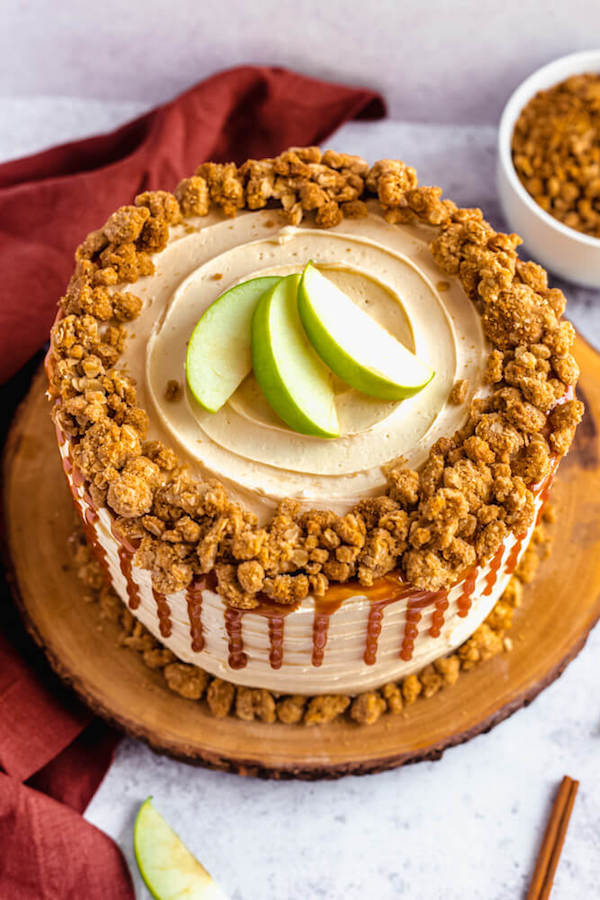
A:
(218, 355)
(169, 870)
(354, 346)
(289, 372)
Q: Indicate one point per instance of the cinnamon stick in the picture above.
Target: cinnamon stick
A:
(552, 843)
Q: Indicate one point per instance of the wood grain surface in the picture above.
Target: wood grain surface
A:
(560, 608)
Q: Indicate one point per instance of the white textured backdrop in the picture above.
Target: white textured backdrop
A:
(469, 825)
(436, 60)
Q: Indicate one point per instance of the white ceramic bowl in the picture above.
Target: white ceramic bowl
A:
(568, 253)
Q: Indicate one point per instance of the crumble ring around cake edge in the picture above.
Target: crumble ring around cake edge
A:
(499, 452)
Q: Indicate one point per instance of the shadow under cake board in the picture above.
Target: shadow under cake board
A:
(551, 627)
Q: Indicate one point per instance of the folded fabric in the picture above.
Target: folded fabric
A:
(50, 852)
(53, 753)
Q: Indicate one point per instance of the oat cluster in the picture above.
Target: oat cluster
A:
(556, 151)
(475, 487)
(224, 698)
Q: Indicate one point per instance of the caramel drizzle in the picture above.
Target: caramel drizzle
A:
(513, 557)
(492, 576)
(386, 590)
(233, 626)
(414, 612)
(320, 633)
(325, 607)
(163, 612)
(126, 566)
(194, 607)
(126, 554)
(90, 503)
(438, 615)
(276, 625)
(275, 614)
(78, 479)
(90, 516)
(411, 630)
(465, 602)
(395, 588)
(374, 626)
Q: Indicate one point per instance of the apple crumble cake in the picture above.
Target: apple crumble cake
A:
(260, 551)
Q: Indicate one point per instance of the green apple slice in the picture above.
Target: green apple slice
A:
(354, 346)
(289, 372)
(169, 870)
(218, 354)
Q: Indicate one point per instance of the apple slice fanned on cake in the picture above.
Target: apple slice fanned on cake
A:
(354, 346)
(218, 356)
(289, 372)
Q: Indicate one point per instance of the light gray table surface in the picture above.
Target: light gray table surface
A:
(469, 825)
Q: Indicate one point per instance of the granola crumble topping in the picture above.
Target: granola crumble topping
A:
(459, 391)
(431, 525)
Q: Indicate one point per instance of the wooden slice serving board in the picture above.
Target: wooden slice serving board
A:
(560, 608)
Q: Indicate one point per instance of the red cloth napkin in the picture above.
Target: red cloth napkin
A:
(50, 201)
(53, 753)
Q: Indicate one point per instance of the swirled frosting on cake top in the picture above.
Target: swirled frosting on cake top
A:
(386, 271)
